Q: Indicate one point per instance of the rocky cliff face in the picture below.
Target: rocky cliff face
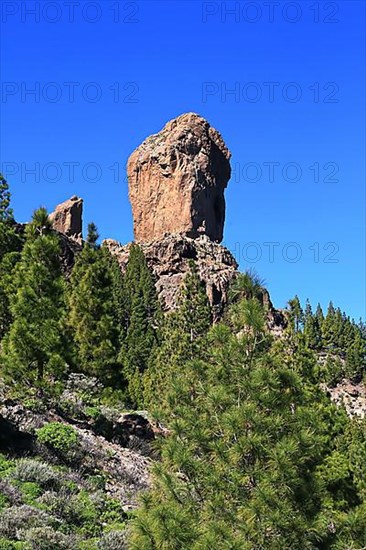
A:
(169, 259)
(176, 182)
(67, 218)
(177, 179)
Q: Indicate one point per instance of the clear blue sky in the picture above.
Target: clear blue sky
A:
(107, 74)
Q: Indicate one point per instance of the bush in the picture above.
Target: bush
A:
(23, 517)
(83, 512)
(45, 538)
(31, 491)
(28, 469)
(58, 504)
(4, 501)
(114, 540)
(61, 438)
(6, 544)
(10, 492)
(6, 466)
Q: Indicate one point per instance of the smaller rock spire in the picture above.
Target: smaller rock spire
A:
(67, 218)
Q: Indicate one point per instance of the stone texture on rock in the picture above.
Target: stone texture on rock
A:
(349, 394)
(177, 179)
(68, 218)
(169, 261)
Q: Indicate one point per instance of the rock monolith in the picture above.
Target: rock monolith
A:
(177, 179)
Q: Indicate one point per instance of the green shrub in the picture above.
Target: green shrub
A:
(6, 466)
(4, 501)
(89, 544)
(113, 512)
(6, 544)
(93, 412)
(31, 491)
(84, 513)
(28, 469)
(59, 437)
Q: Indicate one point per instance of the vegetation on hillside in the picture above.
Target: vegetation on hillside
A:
(254, 454)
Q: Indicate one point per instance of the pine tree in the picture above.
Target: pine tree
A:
(319, 315)
(32, 349)
(93, 235)
(239, 467)
(194, 316)
(329, 327)
(183, 332)
(9, 240)
(246, 285)
(296, 315)
(7, 287)
(141, 323)
(6, 213)
(356, 358)
(312, 329)
(90, 319)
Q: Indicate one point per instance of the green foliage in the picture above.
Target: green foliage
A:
(250, 437)
(141, 320)
(61, 438)
(93, 235)
(6, 212)
(10, 243)
(183, 333)
(337, 336)
(7, 288)
(312, 329)
(246, 285)
(296, 314)
(31, 491)
(6, 466)
(33, 344)
(3, 500)
(90, 319)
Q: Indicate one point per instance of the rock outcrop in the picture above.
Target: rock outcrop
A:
(68, 218)
(349, 394)
(169, 260)
(177, 180)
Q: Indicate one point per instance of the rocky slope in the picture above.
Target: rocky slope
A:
(112, 443)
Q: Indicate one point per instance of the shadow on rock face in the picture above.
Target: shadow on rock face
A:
(12, 440)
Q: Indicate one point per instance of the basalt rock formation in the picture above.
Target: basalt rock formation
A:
(67, 218)
(176, 182)
(177, 179)
(169, 260)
